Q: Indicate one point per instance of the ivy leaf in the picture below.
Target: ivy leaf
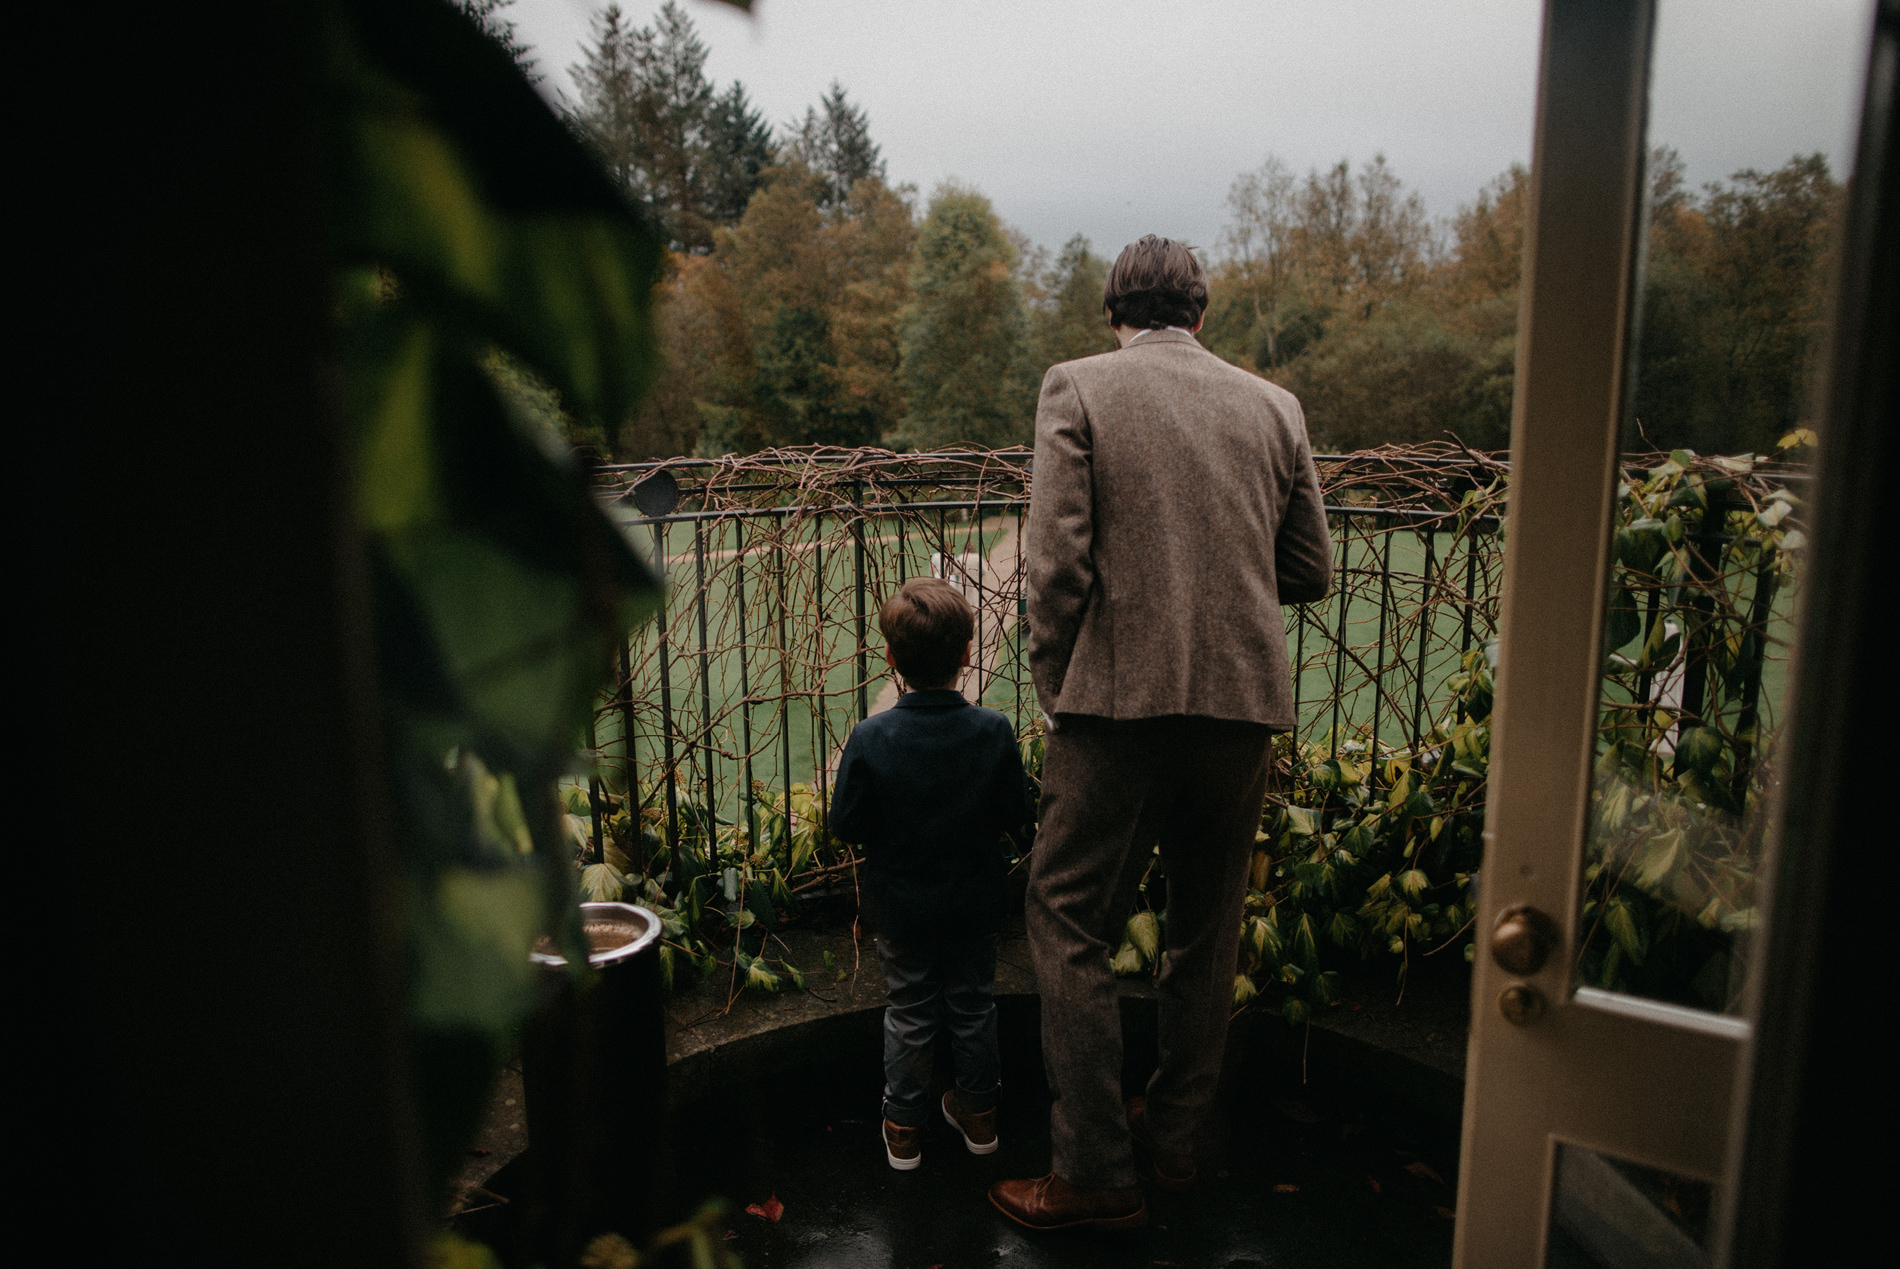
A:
(602, 883)
(1699, 749)
(1622, 926)
(1661, 854)
(1144, 934)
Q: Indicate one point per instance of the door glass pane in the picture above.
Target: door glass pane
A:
(1752, 110)
(1614, 1214)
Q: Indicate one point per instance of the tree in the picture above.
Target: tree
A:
(965, 368)
(1258, 243)
(647, 107)
(816, 292)
(1363, 239)
(607, 116)
(1487, 255)
(1072, 323)
(1732, 304)
(739, 149)
(834, 141)
(1403, 375)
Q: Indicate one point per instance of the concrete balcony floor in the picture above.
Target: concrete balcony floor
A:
(1334, 1146)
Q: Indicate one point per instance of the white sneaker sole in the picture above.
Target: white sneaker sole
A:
(986, 1148)
(904, 1165)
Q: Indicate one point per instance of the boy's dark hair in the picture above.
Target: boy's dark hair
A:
(927, 625)
(1155, 282)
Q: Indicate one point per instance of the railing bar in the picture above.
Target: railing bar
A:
(982, 553)
(745, 688)
(705, 703)
(784, 683)
(1385, 602)
(857, 534)
(746, 513)
(599, 853)
(821, 722)
(1766, 581)
(1426, 614)
(1339, 635)
(670, 773)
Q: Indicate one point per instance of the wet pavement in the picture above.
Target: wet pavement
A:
(1357, 1185)
(1332, 1145)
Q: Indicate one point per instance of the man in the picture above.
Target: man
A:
(1175, 509)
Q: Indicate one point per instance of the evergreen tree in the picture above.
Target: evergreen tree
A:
(834, 141)
(607, 115)
(646, 105)
(739, 149)
(965, 368)
(487, 14)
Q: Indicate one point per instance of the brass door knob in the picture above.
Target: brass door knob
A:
(1521, 1004)
(1522, 940)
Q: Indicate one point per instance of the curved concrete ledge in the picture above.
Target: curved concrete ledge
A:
(1405, 1050)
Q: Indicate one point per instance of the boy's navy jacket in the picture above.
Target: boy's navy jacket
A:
(928, 788)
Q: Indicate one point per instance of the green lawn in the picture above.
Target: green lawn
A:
(807, 689)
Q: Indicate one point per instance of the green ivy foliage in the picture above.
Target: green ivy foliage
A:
(1701, 554)
(470, 230)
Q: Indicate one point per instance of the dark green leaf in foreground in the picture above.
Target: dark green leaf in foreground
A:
(468, 220)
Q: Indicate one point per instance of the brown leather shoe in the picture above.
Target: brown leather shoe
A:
(1049, 1202)
(977, 1127)
(1173, 1170)
(903, 1146)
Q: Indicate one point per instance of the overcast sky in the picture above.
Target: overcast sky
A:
(1116, 118)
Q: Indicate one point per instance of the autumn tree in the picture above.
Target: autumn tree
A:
(965, 367)
(1257, 247)
(1487, 253)
(1733, 300)
(816, 292)
(1363, 239)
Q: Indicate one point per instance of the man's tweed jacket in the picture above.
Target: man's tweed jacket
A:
(1174, 509)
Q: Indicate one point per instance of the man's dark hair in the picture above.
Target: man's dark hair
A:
(1155, 282)
(927, 625)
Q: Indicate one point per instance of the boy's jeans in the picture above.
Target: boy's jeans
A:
(933, 985)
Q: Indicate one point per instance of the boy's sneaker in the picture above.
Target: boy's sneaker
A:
(977, 1127)
(903, 1146)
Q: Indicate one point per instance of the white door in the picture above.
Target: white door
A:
(1574, 1094)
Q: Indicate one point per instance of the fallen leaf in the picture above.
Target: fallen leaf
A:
(1424, 1170)
(771, 1209)
(1374, 1183)
(1446, 1212)
(1285, 1188)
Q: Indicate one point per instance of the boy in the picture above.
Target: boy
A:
(928, 788)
